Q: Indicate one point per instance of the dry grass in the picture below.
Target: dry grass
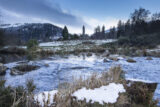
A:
(64, 99)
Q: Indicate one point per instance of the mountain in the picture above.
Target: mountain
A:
(41, 32)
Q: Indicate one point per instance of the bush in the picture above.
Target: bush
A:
(16, 97)
(32, 44)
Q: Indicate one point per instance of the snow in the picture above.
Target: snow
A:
(107, 94)
(11, 25)
(44, 97)
(74, 42)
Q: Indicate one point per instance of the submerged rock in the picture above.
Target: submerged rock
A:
(21, 69)
(2, 69)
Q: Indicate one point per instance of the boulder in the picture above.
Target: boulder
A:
(2, 69)
(114, 58)
(149, 58)
(13, 50)
(131, 60)
(106, 53)
(23, 68)
(14, 71)
(46, 65)
(105, 60)
(89, 54)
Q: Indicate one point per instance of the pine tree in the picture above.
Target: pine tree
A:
(65, 33)
(1, 34)
(103, 31)
(83, 30)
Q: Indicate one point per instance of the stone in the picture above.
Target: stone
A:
(105, 60)
(149, 58)
(114, 58)
(89, 54)
(23, 68)
(131, 60)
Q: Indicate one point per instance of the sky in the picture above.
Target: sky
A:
(73, 13)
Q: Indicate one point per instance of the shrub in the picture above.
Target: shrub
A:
(16, 97)
(123, 41)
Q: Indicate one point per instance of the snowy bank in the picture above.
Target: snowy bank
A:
(104, 94)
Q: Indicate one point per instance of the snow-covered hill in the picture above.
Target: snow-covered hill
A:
(41, 32)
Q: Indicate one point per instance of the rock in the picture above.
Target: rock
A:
(105, 60)
(2, 69)
(153, 52)
(149, 58)
(46, 65)
(114, 58)
(23, 68)
(13, 50)
(89, 54)
(14, 71)
(131, 60)
(106, 54)
(26, 67)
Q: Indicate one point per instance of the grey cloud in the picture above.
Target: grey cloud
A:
(45, 9)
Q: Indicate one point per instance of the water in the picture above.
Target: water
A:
(64, 69)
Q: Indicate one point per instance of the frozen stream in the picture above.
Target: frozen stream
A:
(64, 69)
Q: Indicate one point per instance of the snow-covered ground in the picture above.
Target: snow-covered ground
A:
(63, 69)
(42, 98)
(74, 42)
(104, 94)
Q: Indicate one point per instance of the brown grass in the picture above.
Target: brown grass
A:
(64, 99)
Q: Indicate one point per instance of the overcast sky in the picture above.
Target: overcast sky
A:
(73, 13)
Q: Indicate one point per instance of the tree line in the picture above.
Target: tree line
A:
(142, 28)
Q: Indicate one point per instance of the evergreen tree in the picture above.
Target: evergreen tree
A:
(103, 31)
(1, 34)
(140, 15)
(83, 30)
(65, 33)
(1, 37)
(120, 29)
